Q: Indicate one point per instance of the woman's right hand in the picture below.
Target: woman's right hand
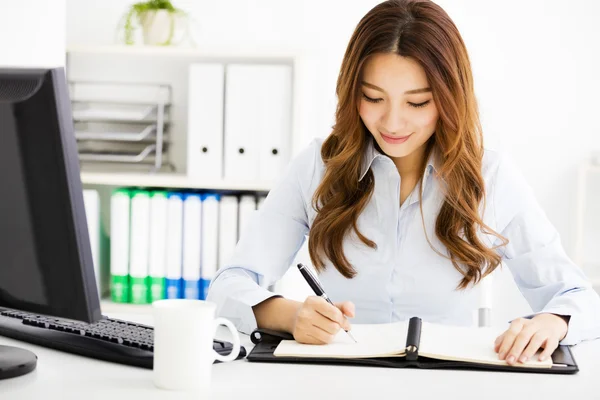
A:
(317, 321)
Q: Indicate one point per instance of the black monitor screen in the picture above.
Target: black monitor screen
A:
(45, 255)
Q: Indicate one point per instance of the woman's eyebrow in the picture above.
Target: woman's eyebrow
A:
(413, 91)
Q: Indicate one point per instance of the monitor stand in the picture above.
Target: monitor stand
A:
(15, 361)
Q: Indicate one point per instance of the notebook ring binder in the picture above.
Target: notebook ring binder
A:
(269, 335)
(256, 337)
(379, 348)
(413, 339)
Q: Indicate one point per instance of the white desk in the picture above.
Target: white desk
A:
(69, 376)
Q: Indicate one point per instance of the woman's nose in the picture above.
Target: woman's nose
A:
(394, 121)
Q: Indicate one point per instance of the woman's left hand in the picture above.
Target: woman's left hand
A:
(525, 337)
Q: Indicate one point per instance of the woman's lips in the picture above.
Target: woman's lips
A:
(395, 139)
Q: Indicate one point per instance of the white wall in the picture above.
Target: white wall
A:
(32, 33)
(535, 65)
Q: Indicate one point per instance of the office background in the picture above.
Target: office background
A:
(535, 65)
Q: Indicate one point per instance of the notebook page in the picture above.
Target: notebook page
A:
(372, 340)
(466, 344)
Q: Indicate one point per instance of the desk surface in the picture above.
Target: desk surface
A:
(71, 376)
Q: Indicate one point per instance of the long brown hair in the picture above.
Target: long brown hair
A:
(422, 30)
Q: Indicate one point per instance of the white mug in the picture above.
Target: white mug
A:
(183, 343)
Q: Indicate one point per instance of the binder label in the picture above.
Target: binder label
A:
(119, 288)
(157, 289)
(139, 290)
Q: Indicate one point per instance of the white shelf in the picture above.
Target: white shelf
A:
(166, 180)
(118, 115)
(199, 51)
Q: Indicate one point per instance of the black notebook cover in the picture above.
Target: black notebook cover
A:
(266, 342)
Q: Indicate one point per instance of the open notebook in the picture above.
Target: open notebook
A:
(410, 343)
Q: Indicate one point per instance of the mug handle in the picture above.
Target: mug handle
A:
(236, 340)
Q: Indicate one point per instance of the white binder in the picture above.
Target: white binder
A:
(205, 120)
(210, 241)
(246, 209)
(91, 201)
(192, 240)
(120, 203)
(274, 119)
(157, 263)
(247, 108)
(140, 246)
(228, 228)
(174, 244)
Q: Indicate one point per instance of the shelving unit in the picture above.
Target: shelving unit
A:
(166, 180)
(168, 67)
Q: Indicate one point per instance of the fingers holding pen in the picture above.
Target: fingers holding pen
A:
(318, 322)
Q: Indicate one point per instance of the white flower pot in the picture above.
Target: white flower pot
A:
(158, 27)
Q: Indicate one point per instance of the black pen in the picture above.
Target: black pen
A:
(314, 284)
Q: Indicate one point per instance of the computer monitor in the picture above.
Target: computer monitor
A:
(45, 254)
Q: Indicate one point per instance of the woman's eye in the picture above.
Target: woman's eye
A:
(419, 105)
(414, 105)
(371, 100)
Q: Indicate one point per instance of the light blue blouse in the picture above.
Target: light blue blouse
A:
(404, 276)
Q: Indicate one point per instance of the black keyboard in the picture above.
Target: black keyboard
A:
(108, 339)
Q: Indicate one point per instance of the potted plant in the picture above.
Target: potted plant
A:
(158, 19)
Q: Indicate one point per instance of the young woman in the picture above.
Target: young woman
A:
(405, 210)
